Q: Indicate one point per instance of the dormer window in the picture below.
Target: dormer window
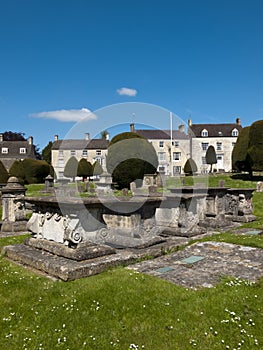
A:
(234, 132)
(22, 150)
(204, 133)
(4, 150)
(220, 133)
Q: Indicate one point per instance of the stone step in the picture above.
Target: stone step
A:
(64, 268)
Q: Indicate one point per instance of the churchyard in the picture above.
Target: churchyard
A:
(124, 309)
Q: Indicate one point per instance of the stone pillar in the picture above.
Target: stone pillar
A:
(13, 202)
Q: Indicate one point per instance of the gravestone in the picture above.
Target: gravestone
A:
(13, 201)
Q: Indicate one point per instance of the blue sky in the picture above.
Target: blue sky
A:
(61, 59)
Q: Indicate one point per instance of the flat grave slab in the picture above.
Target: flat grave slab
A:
(203, 264)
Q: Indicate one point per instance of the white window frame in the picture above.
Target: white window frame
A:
(4, 150)
(85, 153)
(161, 156)
(22, 150)
(176, 156)
(98, 152)
(161, 144)
(176, 143)
(61, 153)
(204, 133)
(205, 146)
(219, 146)
(73, 152)
(235, 132)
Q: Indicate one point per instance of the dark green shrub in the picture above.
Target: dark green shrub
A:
(255, 146)
(190, 167)
(71, 168)
(3, 174)
(35, 170)
(130, 156)
(97, 168)
(210, 156)
(17, 170)
(240, 152)
(84, 169)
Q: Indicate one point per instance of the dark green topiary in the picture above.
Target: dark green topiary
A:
(255, 146)
(210, 157)
(35, 170)
(97, 168)
(3, 174)
(71, 168)
(130, 156)
(190, 167)
(85, 168)
(17, 170)
(240, 160)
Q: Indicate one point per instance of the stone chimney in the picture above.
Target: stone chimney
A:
(1, 137)
(30, 140)
(56, 138)
(107, 136)
(87, 136)
(132, 128)
(181, 128)
(190, 123)
(238, 121)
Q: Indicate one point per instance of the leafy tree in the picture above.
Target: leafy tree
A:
(240, 161)
(130, 156)
(13, 136)
(85, 168)
(3, 174)
(46, 152)
(71, 168)
(97, 168)
(210, 157)
(190, 167)
(17, 169)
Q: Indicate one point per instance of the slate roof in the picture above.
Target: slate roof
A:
(80, 144)
(14, 149)
(214, 130)
(162, 134)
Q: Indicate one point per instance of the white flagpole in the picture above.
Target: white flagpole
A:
(171, 135)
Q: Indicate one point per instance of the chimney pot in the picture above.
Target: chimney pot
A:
(56, 138)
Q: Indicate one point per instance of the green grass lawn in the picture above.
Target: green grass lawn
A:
(122, 309)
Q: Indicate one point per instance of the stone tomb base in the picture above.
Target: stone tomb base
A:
(62, 262)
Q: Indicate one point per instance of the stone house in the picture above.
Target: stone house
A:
(172, 151)
(221, 136)
(91, 149)
(15, 150)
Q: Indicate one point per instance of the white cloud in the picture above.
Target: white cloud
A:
(66, 115)
(127, 92)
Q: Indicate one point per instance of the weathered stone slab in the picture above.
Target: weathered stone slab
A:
(83, 251)
(63, 268)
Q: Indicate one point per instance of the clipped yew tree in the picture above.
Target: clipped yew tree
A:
(71, 168)
(85, 168)
(17, 170)
(240, 161)
(210, 156)
(190, 167)
(130, 156)
(255, 146)
(97, 168)
(35, 170)
(3, 174)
